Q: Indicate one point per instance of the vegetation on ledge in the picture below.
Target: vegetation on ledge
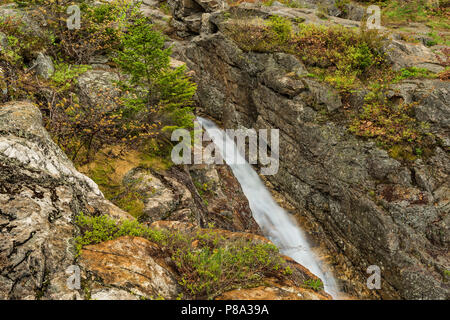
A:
(207, 263)
(348, 59)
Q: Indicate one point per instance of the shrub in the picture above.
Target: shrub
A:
(102, 228)
(21, 44)
(18, 49)
(130, 112)
(100, 28)
(314, 284)
(393, 126)
(281, 26)
(80, 129)
(413, 72)
(361, 57)
(159, 96)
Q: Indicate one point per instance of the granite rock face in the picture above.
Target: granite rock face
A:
(40, 194)
(366, 207)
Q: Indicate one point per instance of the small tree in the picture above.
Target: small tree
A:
(157, 94)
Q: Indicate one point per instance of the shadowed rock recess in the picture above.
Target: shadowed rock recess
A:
(141, 229)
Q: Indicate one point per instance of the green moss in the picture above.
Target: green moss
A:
(413, 72)
(131, 202)
(402, 152)
(125, 198)
(66, 75)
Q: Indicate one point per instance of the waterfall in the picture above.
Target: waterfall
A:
(274, 221)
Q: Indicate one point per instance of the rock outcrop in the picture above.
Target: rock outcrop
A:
(364, 207)
(290, 288)
(128, 265)
(40, 194)
(202, 194)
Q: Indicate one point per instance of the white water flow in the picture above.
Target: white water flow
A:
(274, 221)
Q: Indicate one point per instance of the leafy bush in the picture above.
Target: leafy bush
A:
(79, 128)
(281, 26)
(361, 57)
(208, 271)
(66, 75)
(100, 28)
(102, 228)
(21, 44)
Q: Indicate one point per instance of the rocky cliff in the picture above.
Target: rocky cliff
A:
(367, 207)
(362, 201)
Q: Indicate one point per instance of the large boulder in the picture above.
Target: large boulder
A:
(128, 265)
(98, 88)
(40, 195)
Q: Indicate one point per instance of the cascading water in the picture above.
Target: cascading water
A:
(274, 221)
